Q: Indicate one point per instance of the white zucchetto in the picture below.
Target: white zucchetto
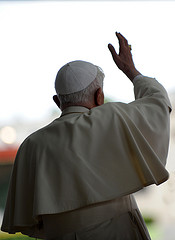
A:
(75, 76)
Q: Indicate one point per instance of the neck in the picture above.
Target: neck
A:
(87, 105)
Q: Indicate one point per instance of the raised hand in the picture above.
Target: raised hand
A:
(124, 59)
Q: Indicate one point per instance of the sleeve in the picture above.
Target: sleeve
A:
(152, 89)
(151, 114)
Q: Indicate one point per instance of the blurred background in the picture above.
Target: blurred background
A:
(38, 37)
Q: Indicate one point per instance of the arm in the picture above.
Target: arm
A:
(125, 63)
(150, 110)
(124, 60)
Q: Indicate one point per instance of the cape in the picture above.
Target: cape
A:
(90, 156)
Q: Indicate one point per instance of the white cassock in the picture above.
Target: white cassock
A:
(87, 157)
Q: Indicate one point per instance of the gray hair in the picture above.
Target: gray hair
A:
(86, 95)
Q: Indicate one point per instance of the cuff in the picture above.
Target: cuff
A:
(140, 76)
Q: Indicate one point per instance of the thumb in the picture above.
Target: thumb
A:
(115, 56)
(111, 49)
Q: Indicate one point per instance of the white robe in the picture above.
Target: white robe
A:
(90, 156)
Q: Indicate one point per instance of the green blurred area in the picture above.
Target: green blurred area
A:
(17, 236)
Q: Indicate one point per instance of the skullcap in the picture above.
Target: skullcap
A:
(75, 76)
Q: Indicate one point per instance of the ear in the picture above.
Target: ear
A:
(56, 100)
(99, 97)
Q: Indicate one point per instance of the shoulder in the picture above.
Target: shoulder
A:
(109, 112)
(39, 135)
(109, 107)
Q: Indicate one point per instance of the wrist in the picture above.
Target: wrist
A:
(132, 73)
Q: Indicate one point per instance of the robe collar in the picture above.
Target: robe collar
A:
(74, 109)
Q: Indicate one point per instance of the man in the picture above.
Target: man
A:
(74, 178)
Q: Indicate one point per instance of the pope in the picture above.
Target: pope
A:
(75, 178)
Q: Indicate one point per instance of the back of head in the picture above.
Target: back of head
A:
(77, 81)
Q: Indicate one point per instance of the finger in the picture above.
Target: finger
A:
(122, 43)
(122, 39)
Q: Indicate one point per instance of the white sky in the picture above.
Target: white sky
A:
(37, 38)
